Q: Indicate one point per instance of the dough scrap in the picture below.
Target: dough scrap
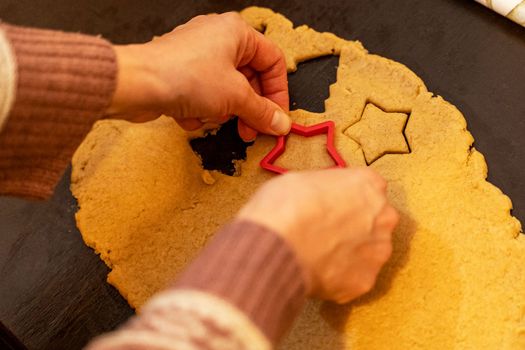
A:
(299, 44)
(455, 280)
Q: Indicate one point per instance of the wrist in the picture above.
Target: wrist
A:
(258, 273)
(138, 87)
(285, 226)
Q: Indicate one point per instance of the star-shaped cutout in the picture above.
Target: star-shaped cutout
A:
(327, 128)
(379, 133)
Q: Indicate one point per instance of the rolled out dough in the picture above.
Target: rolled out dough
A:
(455, 280)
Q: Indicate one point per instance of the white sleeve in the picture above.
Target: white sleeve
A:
(185, 319)
(7, 78)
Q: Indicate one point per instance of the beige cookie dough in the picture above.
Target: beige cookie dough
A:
(455, 280)
(298, 44)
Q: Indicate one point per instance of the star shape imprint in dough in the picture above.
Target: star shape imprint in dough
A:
(379, 133)
(327, 128)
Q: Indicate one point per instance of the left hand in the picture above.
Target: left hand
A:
(206, 70)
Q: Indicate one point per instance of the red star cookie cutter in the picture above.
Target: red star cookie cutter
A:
(327, 128)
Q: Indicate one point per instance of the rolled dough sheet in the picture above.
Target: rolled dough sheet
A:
(455, 280)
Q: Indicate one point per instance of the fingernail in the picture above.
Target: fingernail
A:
(281, 123)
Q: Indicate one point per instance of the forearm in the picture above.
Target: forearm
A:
(244, 290)
(62, 83)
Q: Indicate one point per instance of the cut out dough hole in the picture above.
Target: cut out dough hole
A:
(310, 84)
(221, 150)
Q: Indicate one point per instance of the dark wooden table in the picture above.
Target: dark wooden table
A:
(53, 293)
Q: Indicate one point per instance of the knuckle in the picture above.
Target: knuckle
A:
(367, 284)
(342, 298)
(360, 173)
(374, 177)
(244, 93)
(379, 182)
(368, 172)
(281, 184)
(394, 217)
(385, 252)
(290, 180)
(390, 217)
(233, 18)
(200, 18)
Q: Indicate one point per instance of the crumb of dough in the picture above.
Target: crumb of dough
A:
(455, 279)
(207, 177)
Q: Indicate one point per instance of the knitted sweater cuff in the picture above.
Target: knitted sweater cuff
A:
(254, 269)
(65, 82)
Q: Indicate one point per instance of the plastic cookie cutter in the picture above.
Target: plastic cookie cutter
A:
(327, 128)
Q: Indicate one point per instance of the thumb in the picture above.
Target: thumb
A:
(259, 112)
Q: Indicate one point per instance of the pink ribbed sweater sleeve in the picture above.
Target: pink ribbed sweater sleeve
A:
(242, 292)
(64, 83)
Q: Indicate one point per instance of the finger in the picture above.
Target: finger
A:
(268, 61)
(383, 252)
(256, 111)
(194, 20)
(252, 78)
(139, 117)
(389, 218)
(245, 132)
(189, 124)
(221, 120)
(357, 283)
(392, 217)
(375, 179)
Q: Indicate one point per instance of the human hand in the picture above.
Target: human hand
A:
(338, 222)
(206, 70)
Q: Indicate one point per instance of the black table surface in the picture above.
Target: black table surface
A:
(53, 293)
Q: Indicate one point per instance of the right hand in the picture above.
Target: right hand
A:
(338, 222)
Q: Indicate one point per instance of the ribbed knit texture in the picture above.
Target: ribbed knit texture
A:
(254, 269)
(64, 83)
(7, 78)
